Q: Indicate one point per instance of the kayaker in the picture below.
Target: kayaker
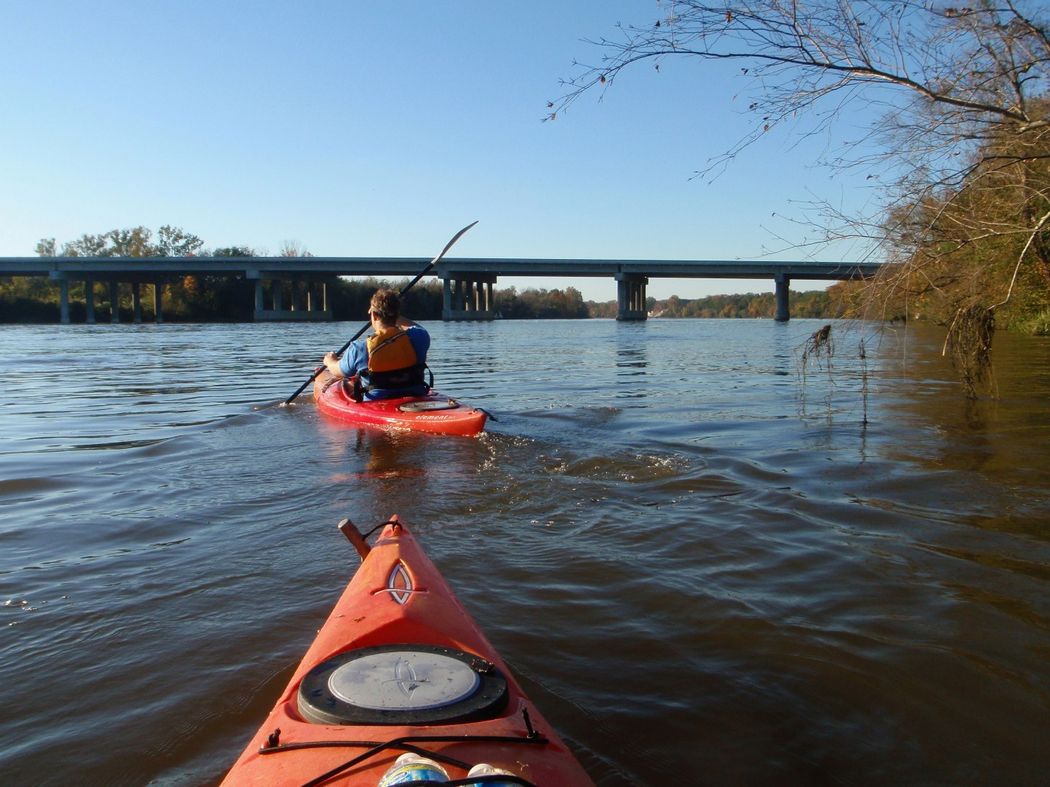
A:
(392, 361)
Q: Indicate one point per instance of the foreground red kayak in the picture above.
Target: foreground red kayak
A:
(431, 413)
(400, 666)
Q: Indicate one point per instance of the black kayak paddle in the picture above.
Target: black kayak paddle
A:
(401, 294)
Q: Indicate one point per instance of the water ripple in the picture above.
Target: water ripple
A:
(696, 565)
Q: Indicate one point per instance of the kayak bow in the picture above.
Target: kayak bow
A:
(400, 666)
(430, 413)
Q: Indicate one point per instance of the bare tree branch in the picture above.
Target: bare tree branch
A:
(963, 161)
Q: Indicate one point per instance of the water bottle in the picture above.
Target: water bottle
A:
(410, 767)
(484, 769)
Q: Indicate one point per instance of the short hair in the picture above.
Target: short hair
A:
(387, 305)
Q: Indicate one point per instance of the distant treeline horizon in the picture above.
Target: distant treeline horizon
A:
(742, 305)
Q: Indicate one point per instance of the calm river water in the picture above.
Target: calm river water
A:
(704, 568)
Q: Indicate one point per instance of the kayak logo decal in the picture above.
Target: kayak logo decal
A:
(399, 584)
(406, 678)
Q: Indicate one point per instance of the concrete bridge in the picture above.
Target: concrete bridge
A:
(468, 282)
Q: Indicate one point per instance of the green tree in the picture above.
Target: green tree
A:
(175, 242)
(134, 242)
(234, 251)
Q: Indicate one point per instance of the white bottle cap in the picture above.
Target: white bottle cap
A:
(484, 769)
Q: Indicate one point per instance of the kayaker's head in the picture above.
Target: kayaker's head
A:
(385, 308)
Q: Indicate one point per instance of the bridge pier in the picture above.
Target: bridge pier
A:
(136, 303)
(158, 292)
(63, 300)
(89, 300)
(783, 313)
(630, 297)
(259, 305)
(113, 287)
(114, 301)
(296, 300)
(468, 296)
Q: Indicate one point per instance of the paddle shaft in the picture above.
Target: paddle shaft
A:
(366, 326)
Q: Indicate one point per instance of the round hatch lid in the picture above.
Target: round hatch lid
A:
(401, 684)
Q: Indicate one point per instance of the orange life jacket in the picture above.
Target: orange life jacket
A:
(392, 362)
(389, 350)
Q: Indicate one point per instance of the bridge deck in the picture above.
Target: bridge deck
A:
(287, 267)
(468, 282)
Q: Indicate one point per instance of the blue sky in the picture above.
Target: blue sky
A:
(371, 128)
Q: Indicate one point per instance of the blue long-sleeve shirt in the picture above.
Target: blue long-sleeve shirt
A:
(355, 361)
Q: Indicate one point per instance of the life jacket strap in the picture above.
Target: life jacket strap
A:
(410, 377)
(392, 338)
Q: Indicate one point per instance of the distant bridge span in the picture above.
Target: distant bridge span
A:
(468, 282)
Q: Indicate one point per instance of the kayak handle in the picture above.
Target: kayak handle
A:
(359, 540)
(353, 535)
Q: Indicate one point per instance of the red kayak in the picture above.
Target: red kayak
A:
(400, 667)
(430, 413)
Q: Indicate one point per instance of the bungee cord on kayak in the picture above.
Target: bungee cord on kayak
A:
(407, 744)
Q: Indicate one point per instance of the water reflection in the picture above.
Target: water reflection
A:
(464, 351)
(366, 452)
(784, 350)
(632, 360)
(1006, 440)
(374, 472)
(632, 348)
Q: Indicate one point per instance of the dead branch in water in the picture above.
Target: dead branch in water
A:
(819, 345)
(968, 346)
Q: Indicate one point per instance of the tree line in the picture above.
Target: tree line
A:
(195, 298)
(741, 306)
(190, 298)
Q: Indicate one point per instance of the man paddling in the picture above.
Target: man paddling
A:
(392, 361)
